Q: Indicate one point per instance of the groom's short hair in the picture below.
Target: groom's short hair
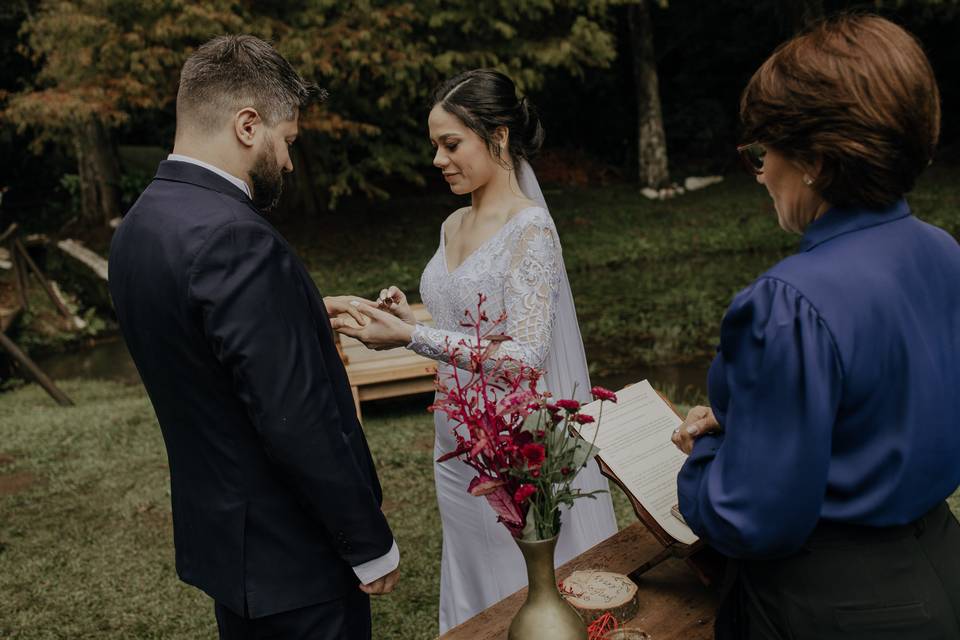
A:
(231, 72)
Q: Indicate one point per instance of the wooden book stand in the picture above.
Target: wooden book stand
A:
(707, 564)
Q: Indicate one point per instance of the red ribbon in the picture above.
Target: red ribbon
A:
(601, 626)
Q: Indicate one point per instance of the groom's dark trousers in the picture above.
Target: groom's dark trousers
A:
(274, 492)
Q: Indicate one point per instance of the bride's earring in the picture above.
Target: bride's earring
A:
(807, 180)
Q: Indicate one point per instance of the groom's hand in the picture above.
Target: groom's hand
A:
(337, 305)
(382, 586)
(381, 331)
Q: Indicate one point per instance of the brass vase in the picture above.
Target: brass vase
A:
(545, 614)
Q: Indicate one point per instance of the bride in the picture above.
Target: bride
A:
(505, 246)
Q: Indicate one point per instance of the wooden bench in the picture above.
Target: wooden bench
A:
(674, 604)
(387, 374)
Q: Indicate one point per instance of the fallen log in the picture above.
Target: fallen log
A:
(35, 372)
(91, 259)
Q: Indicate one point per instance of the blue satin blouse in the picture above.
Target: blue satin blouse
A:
(837, 383)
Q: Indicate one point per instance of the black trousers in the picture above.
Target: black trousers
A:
(344, 619)
(852, 583)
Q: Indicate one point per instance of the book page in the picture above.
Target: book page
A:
(634, 441)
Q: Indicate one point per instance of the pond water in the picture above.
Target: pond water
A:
(110, 360)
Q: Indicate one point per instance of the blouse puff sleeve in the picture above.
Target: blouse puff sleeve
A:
(757, 489)
(530, 292)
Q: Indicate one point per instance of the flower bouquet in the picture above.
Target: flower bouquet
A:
(525, 449)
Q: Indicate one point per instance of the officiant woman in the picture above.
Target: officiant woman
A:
(836, 387)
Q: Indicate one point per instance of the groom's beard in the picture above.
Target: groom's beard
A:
(267, 180)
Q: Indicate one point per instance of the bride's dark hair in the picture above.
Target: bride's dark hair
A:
(485, 99)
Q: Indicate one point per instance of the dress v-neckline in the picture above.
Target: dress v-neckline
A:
(443, 242)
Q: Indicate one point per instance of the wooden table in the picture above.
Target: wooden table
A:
(387, 374)
(674, 605)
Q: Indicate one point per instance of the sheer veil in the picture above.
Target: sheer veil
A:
(566, 365)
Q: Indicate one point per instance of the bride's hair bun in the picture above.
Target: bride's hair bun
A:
(485, 100)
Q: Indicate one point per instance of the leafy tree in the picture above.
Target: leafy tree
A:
(381, 60)
(99, 61)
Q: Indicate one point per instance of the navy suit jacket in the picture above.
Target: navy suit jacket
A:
(274, 492)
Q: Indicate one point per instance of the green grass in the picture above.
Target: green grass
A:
(651, 280)
(85, 532)
(86, 547)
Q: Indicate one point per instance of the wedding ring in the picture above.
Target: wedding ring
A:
(676, 431)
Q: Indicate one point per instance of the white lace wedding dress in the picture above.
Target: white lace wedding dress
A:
(520, 270)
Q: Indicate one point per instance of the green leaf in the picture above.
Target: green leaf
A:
(535, 422)
(530, 529)
(583, 452)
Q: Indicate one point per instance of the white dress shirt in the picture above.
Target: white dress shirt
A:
(378, 567)
(237, 182)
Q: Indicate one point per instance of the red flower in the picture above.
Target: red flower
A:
(535, 473)
(583, 418)
(569, 405)
(483, 485)
(524, 492)
(521, 438)
(534, 453)
(599, 393)
(565, 471)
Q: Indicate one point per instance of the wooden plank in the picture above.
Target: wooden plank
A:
(363, 375)
(386, 374)
(674, 605)
(395, 389)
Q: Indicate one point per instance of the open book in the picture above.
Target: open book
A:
(634, 442)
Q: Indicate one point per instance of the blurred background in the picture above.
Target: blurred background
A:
(639, 101)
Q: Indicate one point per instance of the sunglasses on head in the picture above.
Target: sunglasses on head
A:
(752, 155)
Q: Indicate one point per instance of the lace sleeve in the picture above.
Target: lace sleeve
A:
(530, 292)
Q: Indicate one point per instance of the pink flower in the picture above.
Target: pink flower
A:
(582, 418)
(514, 401)
(482, 485)
(599, 393)
(524, 492)
(534, 453)
(507, 510)
(569, 405)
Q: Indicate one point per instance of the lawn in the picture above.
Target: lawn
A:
(85, 530)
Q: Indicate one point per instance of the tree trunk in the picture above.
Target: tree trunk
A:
(303, 180)
(99, 174)
(651, 139)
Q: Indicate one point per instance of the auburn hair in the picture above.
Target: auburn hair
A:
(857, 93)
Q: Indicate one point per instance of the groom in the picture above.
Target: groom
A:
(276, 503)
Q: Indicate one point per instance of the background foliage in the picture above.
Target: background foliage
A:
(117, 61)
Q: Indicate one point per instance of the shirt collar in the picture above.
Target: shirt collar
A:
(234, 180)
(840, 220)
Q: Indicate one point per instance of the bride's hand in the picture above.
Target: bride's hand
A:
(342, 304)
(380, 331)
(393, 300)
